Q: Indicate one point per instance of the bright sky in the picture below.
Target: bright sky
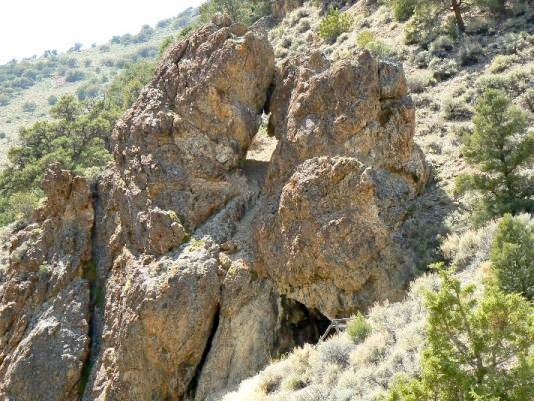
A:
(29, 27)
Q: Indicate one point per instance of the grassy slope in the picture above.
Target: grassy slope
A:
(12, 116)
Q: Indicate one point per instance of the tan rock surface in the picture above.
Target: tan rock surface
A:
(44, 301)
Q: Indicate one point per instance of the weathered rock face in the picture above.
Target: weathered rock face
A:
(326, 236)
(198, 277)
(44, 301)
(177, 153)
(178, 148)
(159, 319)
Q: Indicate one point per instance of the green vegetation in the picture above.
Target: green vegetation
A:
(500, 147)
(358, 328)
(244, 11)
(367, 40)
(334, 24)
(84, 71)
(477, 349)
(76, 136)
(512, 255)
(427, 18)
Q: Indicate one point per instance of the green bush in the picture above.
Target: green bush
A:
(52, 100)
(477, 349)
(358, 328)
(512, 255)
(456, 108)
(364, 38)
(74, 75)
(367, 40)
(403, 9)
(501, 63)
(500, 148)
(420, 80)
(29, 107)
(334, 23)
(22, 204)
(443, 69)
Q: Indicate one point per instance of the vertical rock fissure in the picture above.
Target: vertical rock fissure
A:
(90, 273)
(193, 384)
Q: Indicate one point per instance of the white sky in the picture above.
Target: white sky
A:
(29, 27)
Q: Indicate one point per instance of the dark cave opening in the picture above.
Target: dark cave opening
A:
(299, 325)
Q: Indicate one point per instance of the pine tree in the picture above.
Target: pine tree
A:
(500, 147)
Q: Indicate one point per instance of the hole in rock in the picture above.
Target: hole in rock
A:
(299, 325)
(259, 153)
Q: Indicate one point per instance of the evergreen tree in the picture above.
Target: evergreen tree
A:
(500, 147)
(512, 255)
(477, 350)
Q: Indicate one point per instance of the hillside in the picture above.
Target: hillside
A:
(29, 87)
(287, 164)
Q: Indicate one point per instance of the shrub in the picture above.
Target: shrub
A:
(476, 349)
(364, 38)
(22, 204)
(2, 135)
(4, 99)
(358, 328)
(502, 62)
(52, 100)
(514, 43)
(441, 45)
(470, 53)
(443, 68)
(495, 6)
(422, 59)
(455, 108)
(29, 107)
(334, 24)
(420, 80)
(514, 83)
(403, 9)
(74, 75)
(512, 255)
(500, 147)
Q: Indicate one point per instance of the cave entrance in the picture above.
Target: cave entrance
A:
(259, 153)
(299, 325)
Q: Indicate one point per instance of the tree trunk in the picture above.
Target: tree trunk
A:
(455, 4)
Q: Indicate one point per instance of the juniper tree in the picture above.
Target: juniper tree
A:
(478, 348)
(500, 148)
(512, 255)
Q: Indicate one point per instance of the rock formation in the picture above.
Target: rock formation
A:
(44, 299)
(344, 167)
(181, 274)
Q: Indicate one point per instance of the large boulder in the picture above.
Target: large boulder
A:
(338, 184)
(44, 299)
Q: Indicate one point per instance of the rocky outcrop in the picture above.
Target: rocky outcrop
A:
(186, 270)
(344, 168)
(178, 148)
(176, 180)
(44, 299)
(159, 316)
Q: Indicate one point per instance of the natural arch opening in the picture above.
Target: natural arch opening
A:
(259, 153)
